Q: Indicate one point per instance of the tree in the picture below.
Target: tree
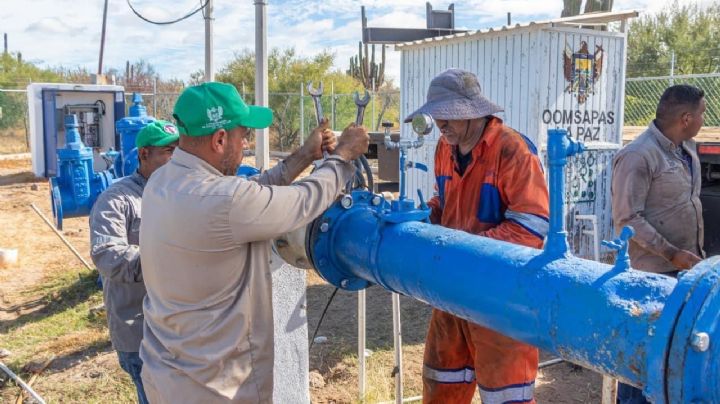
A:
(689, 31)
(287, 71)
(389, 97)
(196, 77)
(17, 74)
(139, 76)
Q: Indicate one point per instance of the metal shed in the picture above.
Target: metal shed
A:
(558, 73)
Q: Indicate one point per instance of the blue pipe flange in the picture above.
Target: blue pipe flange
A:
(668, 325)
(693, 371)
(374, 212)
(325, 229)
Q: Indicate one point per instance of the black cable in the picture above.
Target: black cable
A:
(368, 173)
(322, 316)
(102, 106)
(203, 4)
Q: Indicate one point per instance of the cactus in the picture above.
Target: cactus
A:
(364, 68)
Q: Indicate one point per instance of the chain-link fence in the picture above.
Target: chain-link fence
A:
(294, 114)
(642, 95)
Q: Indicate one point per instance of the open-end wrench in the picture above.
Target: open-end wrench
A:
(316, 94)
(361, 163)
(361, 103)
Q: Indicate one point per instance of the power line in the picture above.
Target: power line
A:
(202, 6)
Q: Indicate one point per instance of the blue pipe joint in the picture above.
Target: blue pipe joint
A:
(683, 360)
(127, 129)
(560, 147)
(374, 213)
(77, 186)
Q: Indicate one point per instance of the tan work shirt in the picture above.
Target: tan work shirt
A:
(205, 245)
(657, 192)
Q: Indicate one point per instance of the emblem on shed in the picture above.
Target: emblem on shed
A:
(582, 69)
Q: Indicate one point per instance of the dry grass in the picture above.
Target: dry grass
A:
(13, 141)
(63, 326)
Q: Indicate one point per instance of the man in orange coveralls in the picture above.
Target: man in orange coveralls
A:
(489, 182)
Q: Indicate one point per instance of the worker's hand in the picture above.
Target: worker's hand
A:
(684, 259)
(354, 142)
(321, 139)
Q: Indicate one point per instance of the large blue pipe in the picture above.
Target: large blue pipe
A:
(645, 329)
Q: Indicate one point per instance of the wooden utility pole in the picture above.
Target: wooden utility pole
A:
(102, 39)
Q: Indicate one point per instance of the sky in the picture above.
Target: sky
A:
(67, 32)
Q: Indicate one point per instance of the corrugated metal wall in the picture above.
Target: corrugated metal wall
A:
(524, 70)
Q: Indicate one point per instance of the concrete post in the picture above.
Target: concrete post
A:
(292, 356)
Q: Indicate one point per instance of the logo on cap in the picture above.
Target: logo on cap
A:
(171, 129)
(215, 115)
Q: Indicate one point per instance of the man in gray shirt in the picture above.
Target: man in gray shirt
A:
(115, 239)
(206, 243)
(656, 190)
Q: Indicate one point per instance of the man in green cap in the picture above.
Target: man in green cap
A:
(206, 247)
(115, 250)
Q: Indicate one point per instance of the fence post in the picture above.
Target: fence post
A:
(302, 113)
(672, 68)
(155, 114)
(374, 95)
(332, 104)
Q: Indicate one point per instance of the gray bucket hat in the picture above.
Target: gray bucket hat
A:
(455, 95)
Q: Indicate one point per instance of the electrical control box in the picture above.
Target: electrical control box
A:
(97, 108)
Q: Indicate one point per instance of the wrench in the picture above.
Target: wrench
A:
(361, 163)
(361, 103)
(316, 94)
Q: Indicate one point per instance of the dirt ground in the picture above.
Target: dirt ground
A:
(86, 362)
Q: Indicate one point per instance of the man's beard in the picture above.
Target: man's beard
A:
(229, 162)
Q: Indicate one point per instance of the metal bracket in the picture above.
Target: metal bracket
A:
(439, 23)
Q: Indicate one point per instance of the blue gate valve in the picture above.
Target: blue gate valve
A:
(77, 186)
(128, 128)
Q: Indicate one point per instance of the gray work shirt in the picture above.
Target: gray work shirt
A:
(657, 192)
(205, 244)
(115, 250)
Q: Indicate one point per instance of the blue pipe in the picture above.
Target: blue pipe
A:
(645, 329)
(560, 147)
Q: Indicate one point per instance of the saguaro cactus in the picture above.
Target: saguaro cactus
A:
(572, 7)
(370, 74)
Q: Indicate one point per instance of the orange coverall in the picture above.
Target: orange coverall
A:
(502, 195)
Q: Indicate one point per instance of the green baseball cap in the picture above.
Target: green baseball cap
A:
(201, 110)
(157, 133)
